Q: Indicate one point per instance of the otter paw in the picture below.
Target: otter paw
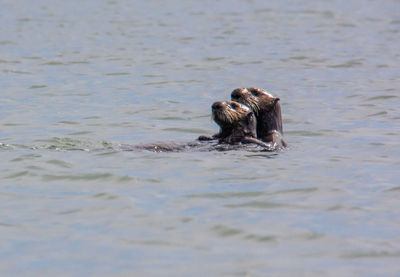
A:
(202, 138)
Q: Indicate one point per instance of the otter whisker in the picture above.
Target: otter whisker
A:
(229, 116)
(255, 106)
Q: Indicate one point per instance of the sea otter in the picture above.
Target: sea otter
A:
(237, 124)
(267, 109)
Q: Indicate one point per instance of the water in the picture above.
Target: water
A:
(79, 78)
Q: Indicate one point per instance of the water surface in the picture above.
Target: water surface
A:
(80, 78)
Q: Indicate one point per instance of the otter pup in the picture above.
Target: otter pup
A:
(267, 110)
(237, 124)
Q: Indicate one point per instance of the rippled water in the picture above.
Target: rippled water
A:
(80, 78)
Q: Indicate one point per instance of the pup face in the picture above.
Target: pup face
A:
(229, 112)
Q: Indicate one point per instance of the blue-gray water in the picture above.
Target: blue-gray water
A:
(79, 78)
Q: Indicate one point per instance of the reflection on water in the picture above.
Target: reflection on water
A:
(82, 80)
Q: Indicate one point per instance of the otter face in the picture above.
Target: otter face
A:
(228, 112)
(255, 98)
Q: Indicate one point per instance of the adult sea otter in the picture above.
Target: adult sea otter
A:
(237, 124)
(267, 110)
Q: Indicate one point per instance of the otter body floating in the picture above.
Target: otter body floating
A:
(253, 117)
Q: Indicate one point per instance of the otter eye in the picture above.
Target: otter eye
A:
(234, 106)
(255, 92)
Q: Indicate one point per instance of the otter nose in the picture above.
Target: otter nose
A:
(235, 94)
(217, 106)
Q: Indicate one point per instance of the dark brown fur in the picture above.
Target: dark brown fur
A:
(267, 110)
(237, 124)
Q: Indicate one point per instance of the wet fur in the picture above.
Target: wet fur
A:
(267, 110)
(237, 124)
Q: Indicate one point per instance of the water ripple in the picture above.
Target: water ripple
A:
(371, 254)
(267, 205)
(381, 97)
(228, 195)
(86, 177)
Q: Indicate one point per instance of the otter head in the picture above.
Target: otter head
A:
(265, 106)
(257, 99)
(235, 120)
